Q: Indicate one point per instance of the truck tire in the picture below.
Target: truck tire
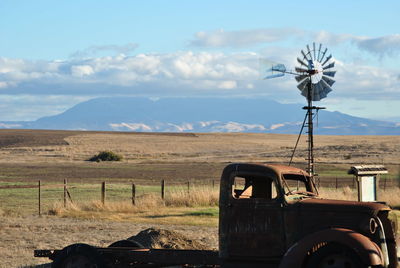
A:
(78, 255)
(335, 256)
(125, 244)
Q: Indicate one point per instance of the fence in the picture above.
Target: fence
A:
(40, 197)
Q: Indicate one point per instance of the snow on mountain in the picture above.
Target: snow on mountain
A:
(202, 115)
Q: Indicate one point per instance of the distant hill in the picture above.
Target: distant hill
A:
(202, 115)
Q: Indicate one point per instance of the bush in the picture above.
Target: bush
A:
(347, 156)
(106, 156)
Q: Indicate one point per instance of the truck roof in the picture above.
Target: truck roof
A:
(279, 169)
(283, 169)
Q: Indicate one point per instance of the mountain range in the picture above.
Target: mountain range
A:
(202, 115)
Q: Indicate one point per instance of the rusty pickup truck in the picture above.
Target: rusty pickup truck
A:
(270, 216)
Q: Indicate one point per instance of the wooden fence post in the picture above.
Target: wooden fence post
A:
(188, 187)
(213, 184)
(384, 184)
(65, 192)
(336, 182)
(103, 192)
(162, 189)
(39, 199)
(133, 193)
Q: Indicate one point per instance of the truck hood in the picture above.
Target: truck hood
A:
(342, 205)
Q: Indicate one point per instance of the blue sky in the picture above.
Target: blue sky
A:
(54, 54)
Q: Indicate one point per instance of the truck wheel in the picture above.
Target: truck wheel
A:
(125, 244)
(78, 255)
(335, 256)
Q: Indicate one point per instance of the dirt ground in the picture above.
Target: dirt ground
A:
(21, 235)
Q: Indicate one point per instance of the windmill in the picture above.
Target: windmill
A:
(315, 78)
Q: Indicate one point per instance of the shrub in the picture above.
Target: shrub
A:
(347, 156)
(106, 156)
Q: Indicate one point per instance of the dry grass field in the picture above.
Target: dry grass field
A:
(27, 156)
(34, 146)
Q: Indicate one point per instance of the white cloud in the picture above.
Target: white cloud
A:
(365, 82)
(243, 38)
(182, 73)
(227, 84)
(93, 50)
(81, 70)
(383, 46)
(177, 71)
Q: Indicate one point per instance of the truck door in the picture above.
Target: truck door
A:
(254, 217)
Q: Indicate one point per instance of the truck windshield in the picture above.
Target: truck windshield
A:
(296, 184)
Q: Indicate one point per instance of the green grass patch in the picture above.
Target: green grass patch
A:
(209, 212)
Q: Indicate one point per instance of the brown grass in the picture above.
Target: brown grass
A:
(66, 146)
(179, 207)
(200, 196)
(390, 196)
(197, 197)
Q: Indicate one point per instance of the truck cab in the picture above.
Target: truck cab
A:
(273, 213)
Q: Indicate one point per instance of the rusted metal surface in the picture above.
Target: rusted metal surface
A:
(368, 251)
(161, 256)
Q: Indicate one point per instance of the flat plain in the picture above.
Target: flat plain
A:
(27, 156)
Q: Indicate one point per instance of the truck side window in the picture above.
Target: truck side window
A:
(246, 187)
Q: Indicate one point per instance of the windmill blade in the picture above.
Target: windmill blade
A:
(303, 84)
(314, 50)
(310, 65)
(323, 93)
(331, 73)
(323, 54)
(325, 89)
(331, 65)
(304, 55)
(315, 92)
(301, 70)
(327, 59)
(319, 51)
(328, 80)
(309, 52)
(304, 92)
(301, 77)
(326, 86)
(302, 62)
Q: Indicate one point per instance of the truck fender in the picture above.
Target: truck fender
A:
(368, 251)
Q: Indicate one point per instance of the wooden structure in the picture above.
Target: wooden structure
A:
(367, 177)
